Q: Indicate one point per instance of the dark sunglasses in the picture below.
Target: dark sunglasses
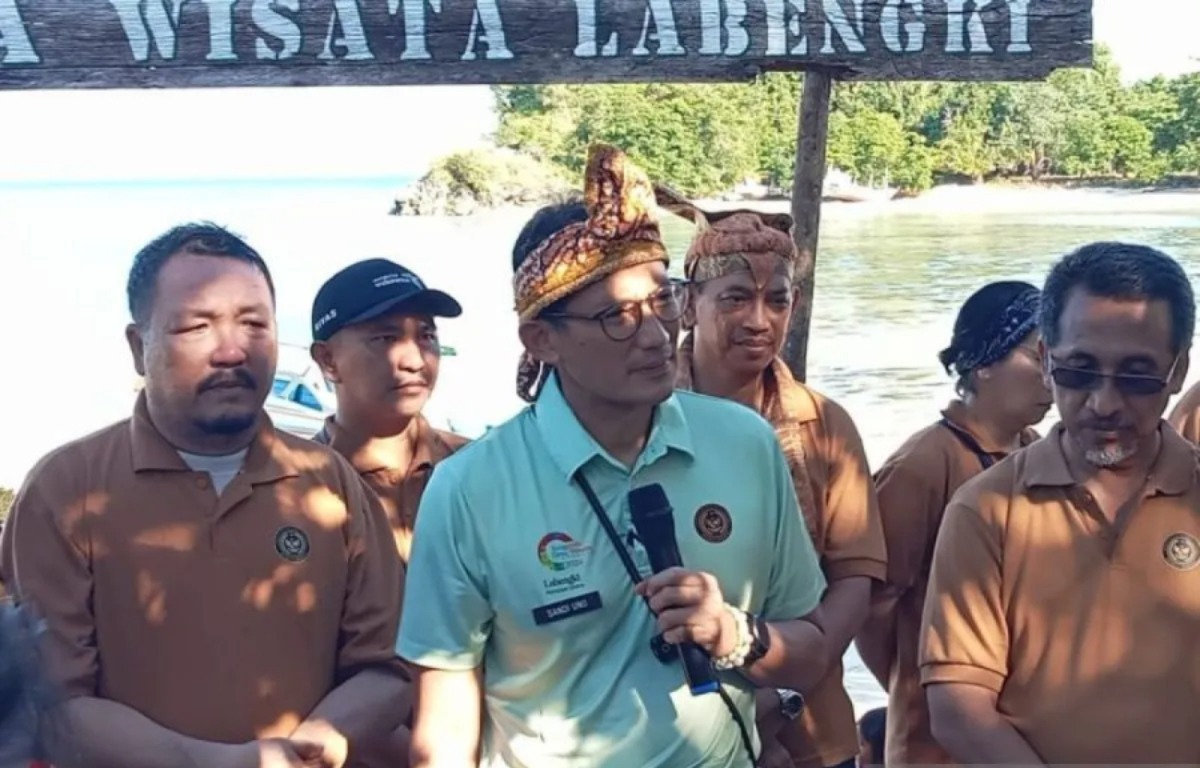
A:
(1088, 380)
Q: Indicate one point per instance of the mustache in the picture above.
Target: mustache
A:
(238, 377)
(1104, 425)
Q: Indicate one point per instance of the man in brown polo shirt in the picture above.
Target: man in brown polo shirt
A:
(1064, 604)
(740, 267)
(375, 338)
(993, 353)
(216, 593)
(1185, 416)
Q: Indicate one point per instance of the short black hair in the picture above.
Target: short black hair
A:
(872, 729)
(28, 729)
(1122, 271)
(544, 223)
(197, 239)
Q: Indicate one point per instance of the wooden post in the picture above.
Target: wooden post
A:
(806, 210)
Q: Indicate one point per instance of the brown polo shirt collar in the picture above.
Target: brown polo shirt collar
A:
(1173, 473)
(267, 460)
(956, 416)
(431, 449)
(784, 399)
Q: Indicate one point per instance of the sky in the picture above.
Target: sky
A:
(283, 133)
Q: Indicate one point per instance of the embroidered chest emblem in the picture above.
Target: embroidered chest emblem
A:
(1181, 551)
(713, 523)
(292, 544)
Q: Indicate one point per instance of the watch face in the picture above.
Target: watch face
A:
(791, 704)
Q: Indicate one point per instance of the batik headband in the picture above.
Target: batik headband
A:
(730, 241)
(621, 231)
(994, 339)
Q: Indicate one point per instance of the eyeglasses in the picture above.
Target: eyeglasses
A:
(622, 321)
(1088, 380)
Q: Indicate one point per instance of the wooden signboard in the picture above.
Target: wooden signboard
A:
(195, 43)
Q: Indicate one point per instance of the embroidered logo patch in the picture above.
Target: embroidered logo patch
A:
(713, 523)
(1181, 551)
(558, 552)
(292, 544)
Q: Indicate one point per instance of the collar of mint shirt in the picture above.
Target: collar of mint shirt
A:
(571, 447)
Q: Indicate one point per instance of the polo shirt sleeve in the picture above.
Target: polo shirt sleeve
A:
(854, 543)
(374, 585)
(796, 583)
(964, 635)
(447, 610)
(908, 503)
(47, 566)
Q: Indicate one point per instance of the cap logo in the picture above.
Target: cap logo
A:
(1181, 551)
(324, 319)
(713, 523)
(394, 278)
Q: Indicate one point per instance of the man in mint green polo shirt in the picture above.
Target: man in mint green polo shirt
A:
(531, 644)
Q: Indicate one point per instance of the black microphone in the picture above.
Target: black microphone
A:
(655, 524)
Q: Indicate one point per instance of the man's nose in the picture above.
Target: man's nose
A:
(230, 351)
(1105, 400)
(407, 355)
(653, 332)
(756, 316)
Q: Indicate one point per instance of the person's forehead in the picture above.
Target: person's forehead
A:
(630, 284)
(1114, 329)
(744, 278)
(397, 323)
(190, 273)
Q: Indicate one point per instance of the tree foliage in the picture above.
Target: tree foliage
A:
(706, 139)
(7, 497)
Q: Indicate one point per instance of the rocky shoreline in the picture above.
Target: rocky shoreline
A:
(490, 179)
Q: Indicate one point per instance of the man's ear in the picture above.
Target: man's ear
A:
(1044, 354)
(322, 355)
(137, 347)
(538, 340)
(689, 310)
(1175, 385)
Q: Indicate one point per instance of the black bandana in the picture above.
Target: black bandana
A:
(980, 345)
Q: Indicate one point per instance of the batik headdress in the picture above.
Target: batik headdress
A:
(990, 325)
(621, 231)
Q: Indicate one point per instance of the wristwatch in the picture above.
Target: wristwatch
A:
(760, 639)
(791, 703)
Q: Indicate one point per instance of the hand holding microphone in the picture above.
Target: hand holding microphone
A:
(690, 608)
(688, 604)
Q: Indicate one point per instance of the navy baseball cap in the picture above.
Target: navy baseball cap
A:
(372, 288)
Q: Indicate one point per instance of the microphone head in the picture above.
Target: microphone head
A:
(651, 513)
(648, 498)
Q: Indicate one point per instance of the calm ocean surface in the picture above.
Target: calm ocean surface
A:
(889, 281)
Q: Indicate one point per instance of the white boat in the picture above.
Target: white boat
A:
(300, 399)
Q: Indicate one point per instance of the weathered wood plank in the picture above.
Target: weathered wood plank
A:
(807, 185)
(209, 43)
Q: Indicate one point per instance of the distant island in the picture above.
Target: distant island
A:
(1081, 128)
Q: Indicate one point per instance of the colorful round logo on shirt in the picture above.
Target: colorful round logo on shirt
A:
(292, 544)
(557, 551)
(1182, 551)
(713, 523)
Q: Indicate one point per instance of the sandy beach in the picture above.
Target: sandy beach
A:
(1001, 199)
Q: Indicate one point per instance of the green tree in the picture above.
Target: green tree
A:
(1132, 146)
(7, 497)
(705, 139)
(868, 145)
